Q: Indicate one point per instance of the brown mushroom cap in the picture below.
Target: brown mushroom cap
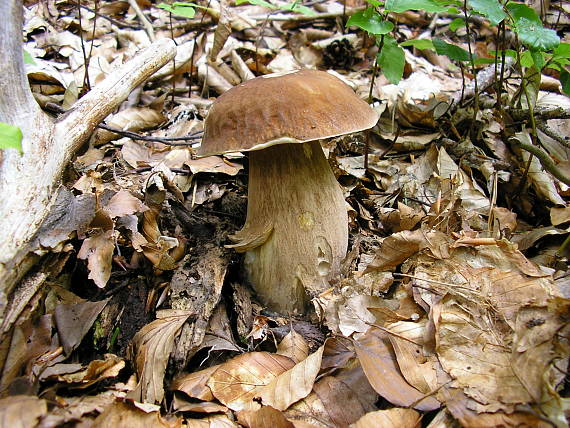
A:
(295, 107)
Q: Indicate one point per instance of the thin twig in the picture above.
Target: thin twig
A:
(143, 19)
(545, 160)
(171, 141)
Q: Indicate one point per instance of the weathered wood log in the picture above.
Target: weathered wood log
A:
(29, 181)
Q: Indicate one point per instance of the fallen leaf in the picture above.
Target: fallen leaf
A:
(380, 365)
(267, 416)
(98, 251)
(151, 348)
(124, 415)
(238, 381)
(293, 346)
(21, 411)
(390, 418)
(74, 321)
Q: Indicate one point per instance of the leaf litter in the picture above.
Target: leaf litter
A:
(453, 304)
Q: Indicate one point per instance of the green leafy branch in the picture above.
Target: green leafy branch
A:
(542, 47)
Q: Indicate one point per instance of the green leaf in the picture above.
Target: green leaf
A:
(562, 51)
(28, 59)
(296, 7)
(261, 3)
(456, 24)
(484, 61)
(10, 137)
(371, 21)
(375, 3)
(565, 80)
(404, 5)
(537, 58)
(418, 43)
(492, 9)
(519, 11)
(535, 36)
(391, 60)
(526, 59)
(187, 10)
(453, 52)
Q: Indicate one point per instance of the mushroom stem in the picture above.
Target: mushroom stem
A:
(296, 231)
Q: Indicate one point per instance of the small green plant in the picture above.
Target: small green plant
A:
(293, 6)
(541, 47)
(10, 137)
(179, 8)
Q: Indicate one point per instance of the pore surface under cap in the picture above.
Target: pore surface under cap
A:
(295, 107)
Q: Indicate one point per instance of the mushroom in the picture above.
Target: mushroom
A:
(296, 230)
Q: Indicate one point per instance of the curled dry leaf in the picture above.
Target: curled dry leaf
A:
(390, 418)
(237, 382)
(376, 355)
(396, 248)
(418, 370)
(94, 372)
(98, 251)
(151, 348)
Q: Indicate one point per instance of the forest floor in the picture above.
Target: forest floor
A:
(452, 305)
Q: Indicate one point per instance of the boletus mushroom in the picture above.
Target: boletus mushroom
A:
(296, 230)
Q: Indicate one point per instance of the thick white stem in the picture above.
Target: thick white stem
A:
(296, 232)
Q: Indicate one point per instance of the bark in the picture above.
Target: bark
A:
(29, 182)
(296, 231)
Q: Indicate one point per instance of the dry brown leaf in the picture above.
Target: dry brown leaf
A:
(219, 336)
(74, 321)
(194, 384)
(460, 407)
(125, 415)
(215, 421)
(346, 396)
(151, 348)
(294, 384)
(68, 214)
(98, 251)
(293, 346)
(390, 418)
(476, 351)
(95, 371)
(181, 404)
(124, 203)
(379, 363)
(238, 381)
(267, 416)
(338, 352)
(73, 409)
(407, 340)
(213, 164)
(396, 248)
(534, 347)
(131, 119)
(559, 215)
(21, 411)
